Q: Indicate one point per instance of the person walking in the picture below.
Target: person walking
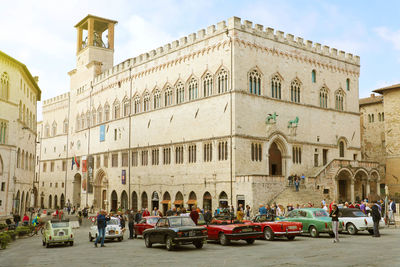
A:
(194, 215)
(208, 216)
(262, 210)
(16, 219)
(131, 224)
(101, 227)
(392, 210)
(247, 213)
(334, 214)
(296, 184)
(376, 217)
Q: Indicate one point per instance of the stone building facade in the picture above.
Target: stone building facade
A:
(19, 94)
(380, 134)
(221, 116)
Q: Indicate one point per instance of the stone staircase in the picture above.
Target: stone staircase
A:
(303, 196)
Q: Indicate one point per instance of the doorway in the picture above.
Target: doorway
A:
(324, 156)
(275, 160)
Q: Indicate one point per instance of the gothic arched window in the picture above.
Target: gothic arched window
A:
(180, 93)
(295, 91)
(339, 100)
(323, 98)
(193, 89)
(168, 96)
(157, 99)
(276, 87)
(207, 85)
(222, 78)
(254, 82)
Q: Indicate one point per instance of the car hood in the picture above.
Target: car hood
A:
(230, 226)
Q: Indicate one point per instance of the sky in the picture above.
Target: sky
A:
(41, 33)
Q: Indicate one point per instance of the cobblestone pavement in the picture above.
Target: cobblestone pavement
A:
(361, 250)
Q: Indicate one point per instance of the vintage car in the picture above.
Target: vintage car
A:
(355, 220)
(145, 223)
(315, 221)
(113, 230)
(224, 231)
(56, 232)
(175, 230)
(272, 228)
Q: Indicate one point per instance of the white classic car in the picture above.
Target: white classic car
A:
(113, 230)
(355, 220)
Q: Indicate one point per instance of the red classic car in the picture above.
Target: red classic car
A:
(272, 228)
(225, 232)
(145, 223)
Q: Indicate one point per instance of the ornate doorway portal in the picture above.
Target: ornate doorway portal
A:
(100, 191)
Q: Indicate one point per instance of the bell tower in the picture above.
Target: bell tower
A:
(95, 43)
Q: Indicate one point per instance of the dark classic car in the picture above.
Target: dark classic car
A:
(147, 222)
(175, 230)
(272, 227)
(224, 231)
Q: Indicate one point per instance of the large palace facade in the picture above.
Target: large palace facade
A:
(222, 116)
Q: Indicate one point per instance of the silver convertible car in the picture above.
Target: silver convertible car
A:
(113, 230)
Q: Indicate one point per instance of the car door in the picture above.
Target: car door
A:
(305, 218)
(140, 227)
(157, 232)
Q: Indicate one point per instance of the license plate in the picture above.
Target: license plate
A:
(247, 230)
(192, 233)
(61, 233)
(292, 227)
(111, 232)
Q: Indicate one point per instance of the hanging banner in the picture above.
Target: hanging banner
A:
(123, 177)
(84, 164)
(102, 133)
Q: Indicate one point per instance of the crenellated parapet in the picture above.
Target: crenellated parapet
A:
(56, 99)
(233, 23)
(290, 39)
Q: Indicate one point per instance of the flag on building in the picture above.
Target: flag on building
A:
(75, 161)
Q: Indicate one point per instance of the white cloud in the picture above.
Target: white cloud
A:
(391, 36)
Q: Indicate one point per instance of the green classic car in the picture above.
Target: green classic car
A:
(315, 221)
(56, 231)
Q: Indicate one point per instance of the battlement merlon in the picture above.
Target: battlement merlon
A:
(56, 99)
(223, 26)
(247, 26)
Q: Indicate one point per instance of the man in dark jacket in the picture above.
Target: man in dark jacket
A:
(101, 227)
(376, 217)
(208, 216)
(131, 223)
(17, 219)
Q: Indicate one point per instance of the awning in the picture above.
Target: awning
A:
(167, 201)
(191, 201)
(178, 202)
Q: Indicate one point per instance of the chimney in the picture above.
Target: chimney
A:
(36, 78)
(372, 95)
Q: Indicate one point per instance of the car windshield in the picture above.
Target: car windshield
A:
(357, 213)
(265, 218)
(113, 222)
(183, 221)
(320, 213)
(152, 220)
(60, 224)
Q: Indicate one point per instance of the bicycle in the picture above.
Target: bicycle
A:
(36, 229)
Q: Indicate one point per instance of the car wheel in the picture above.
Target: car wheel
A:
(71, 243)
(268, 234)
(250, 241)
(120, 239)
(291, 237)
(134, 233)
(147, 241)
(169, 244)
(223, 240)
(47, 244)
(90, 237)
(351, 229)
(198, 244)
(314, 232)
(332, 235)
(44, 243)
